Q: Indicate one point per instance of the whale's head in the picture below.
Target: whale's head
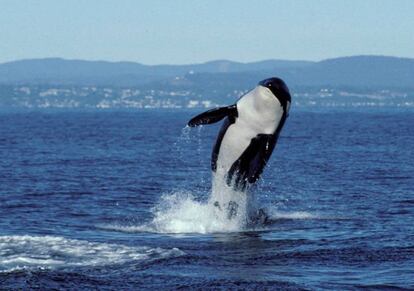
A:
(279, 90)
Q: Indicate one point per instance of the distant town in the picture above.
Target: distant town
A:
(105, 97)
(357, 81)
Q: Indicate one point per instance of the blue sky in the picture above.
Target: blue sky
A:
(181, 32)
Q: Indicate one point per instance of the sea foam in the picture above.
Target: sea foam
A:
(23, 252)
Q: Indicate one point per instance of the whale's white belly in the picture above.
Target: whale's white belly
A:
(253, 118)
(235, 141)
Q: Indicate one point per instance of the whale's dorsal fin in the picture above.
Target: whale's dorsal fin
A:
(213, 115)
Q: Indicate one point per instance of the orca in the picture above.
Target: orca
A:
(249, 132)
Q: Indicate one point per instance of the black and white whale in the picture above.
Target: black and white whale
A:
(249, 132)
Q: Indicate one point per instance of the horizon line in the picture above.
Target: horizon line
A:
(205, 62)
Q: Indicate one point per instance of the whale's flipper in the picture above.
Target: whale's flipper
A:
(250, 165)
(213, 115)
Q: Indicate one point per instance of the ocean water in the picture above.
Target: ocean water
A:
(122, 200)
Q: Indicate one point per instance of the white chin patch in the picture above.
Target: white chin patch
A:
(265, 91)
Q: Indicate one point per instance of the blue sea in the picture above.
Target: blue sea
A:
(118, 200)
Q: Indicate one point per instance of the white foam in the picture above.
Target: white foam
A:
(182, 212)
(19, 252)
(276, 214)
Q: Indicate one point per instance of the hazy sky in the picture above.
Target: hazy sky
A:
(178, 32)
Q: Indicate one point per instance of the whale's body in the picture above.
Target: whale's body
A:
(249, 132)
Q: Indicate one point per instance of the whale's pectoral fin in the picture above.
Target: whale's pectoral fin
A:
(265, 145)
(250, 165)
(213, 115)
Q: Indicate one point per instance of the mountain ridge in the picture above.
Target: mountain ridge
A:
(361, 70)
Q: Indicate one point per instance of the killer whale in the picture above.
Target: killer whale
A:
(249, 132)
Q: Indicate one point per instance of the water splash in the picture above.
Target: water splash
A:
(225, 210)
(182, 213)
(218, 208)
(183, 140)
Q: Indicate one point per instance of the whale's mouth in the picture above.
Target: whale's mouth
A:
(278, 89)
(267, 92)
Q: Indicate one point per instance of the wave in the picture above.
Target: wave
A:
(276, 215)
(23, 252)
